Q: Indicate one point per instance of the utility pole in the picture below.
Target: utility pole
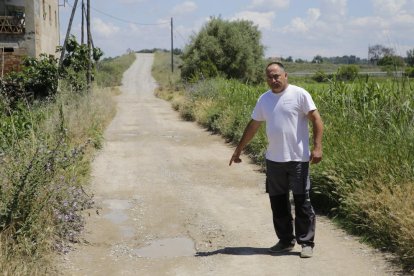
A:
(83, 26)
(88, 28)
(172, 47)
(62, 54)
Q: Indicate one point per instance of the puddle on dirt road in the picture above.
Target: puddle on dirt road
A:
(172, 247)
(127, 232)
(117, 209)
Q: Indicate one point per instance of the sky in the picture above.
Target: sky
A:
(296, 28)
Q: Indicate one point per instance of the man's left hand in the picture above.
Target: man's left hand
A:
(316, 156)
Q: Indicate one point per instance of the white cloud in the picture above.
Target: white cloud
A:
(404, 20)
(269, 4)
(104, 29)
(314, 14)
(367, 23)
(388, 7)
(184, 8)
(262, 19)
(334, 10)
(303, 25)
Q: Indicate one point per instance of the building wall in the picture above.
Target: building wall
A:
(41, 27)
(47, 27)
(41, 32)
(11, 61)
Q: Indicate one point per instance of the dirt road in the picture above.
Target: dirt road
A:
(171, 205)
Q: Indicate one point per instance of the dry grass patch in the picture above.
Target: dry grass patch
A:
(384, 215)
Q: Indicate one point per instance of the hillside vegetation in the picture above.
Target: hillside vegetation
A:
(366, 179)
(47, 143)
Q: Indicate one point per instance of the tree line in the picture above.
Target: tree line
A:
(232, 49)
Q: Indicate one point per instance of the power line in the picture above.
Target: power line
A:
(181, 36)
(126, 21)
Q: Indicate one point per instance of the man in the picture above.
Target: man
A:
(286, 109)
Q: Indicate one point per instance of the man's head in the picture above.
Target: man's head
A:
(276, 77)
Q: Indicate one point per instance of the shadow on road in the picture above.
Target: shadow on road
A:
(242, 251)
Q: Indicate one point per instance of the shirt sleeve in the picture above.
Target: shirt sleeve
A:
(307, 102)
(257, 113)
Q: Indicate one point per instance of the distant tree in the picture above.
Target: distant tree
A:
(391, 60)
(224, 48)
(299, 60)
(377, 52)
(410, 57)
(177, 51)
(288, 59)
(317, 59)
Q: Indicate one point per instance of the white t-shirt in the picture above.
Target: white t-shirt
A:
(286, 119)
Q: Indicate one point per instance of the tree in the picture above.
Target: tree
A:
(317, 59)
(76, 62)
(410, 57)
(288, 59)
(299, 60)
(227, 49)
(391, 60)
(377, 52)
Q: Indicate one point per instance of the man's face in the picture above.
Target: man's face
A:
(276, 78)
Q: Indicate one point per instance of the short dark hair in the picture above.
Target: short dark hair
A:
(276, 63)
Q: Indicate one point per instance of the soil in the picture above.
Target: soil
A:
(169, 204)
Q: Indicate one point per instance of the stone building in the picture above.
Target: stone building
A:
(27, 28)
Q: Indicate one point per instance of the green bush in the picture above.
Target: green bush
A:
(390, 60)
(228, 49)
(38, 79)
(75, 64)
(409, 72)
(347, 72)
(321, 76)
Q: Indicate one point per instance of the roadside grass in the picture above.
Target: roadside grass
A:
(110, 70)
(45, 154)
(366, 179)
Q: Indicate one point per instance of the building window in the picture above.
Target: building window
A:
(55, 19)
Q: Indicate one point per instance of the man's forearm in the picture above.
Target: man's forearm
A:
(248, 134)
(317, 133)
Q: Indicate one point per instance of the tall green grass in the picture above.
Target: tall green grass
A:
(110, 70)
(367, 175)
(45, 153)
(42, 177)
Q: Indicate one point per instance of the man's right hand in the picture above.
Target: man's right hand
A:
(235, 158)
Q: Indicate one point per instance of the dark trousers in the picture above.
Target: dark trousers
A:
(283, 220)
(281, 178)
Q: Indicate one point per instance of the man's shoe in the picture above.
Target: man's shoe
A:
(281, 247)
(307, 251)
